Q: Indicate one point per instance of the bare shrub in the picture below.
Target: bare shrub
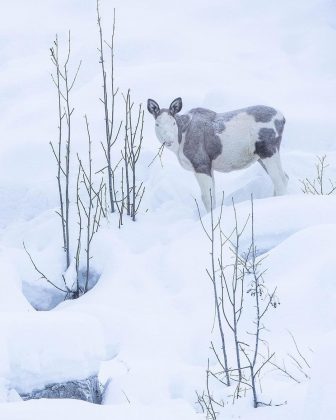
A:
(89, 208)
(321, 184)
(108, 100)
(124, 190)
(64, 84)
(238, 286)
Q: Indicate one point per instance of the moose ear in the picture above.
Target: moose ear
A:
(175, 106)
(153, 107)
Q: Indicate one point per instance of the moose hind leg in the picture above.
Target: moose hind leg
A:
(273, 167)
(207, 186)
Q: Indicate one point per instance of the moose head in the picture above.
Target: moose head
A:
(165, 122)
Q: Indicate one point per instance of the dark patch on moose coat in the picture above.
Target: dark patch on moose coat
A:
(268, 143)
(202, 143)
(261, 113)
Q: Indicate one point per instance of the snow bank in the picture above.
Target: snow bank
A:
(277, 218)
(7, 393)
(165, 410)
(11, 296)
(161, 307)
(75, 410)
(320, 401)
(44, 347)
(303, 269)
(156, 316)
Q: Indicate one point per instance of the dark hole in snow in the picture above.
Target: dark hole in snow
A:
(44, 297)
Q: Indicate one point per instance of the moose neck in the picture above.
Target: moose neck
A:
(182, 124)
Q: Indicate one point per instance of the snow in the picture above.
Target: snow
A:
(147, 324)
(11, 298)
(313, 274)
(45, 348)
(69, 409)
(158, 326)
(8, 394)
(320, 401)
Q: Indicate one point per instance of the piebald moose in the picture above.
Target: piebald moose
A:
(205, 141)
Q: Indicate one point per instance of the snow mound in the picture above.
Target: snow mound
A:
(303, 269)
(277, 218)
(11, 296)
(73, 410)
(320, 401)
(8, 394)
(44, 347)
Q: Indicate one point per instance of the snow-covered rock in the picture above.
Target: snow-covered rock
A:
(42, 348)
(85, 389)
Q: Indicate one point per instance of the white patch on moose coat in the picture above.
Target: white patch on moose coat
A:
(238, 142)
(167, 131)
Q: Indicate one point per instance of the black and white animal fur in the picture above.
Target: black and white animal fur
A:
(205, 141)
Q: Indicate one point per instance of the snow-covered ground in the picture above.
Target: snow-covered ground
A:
(147, 324)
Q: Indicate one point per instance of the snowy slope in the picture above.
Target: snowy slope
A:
(45, 348)
(157, 314)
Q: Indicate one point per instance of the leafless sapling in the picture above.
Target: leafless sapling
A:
(233, 279)
(263, 300)
(213, 276)
(109, 94)
(64, 84)
(90, 208)
(131, 153)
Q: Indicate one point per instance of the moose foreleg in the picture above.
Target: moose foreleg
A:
(207, 186)
(274, 169)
